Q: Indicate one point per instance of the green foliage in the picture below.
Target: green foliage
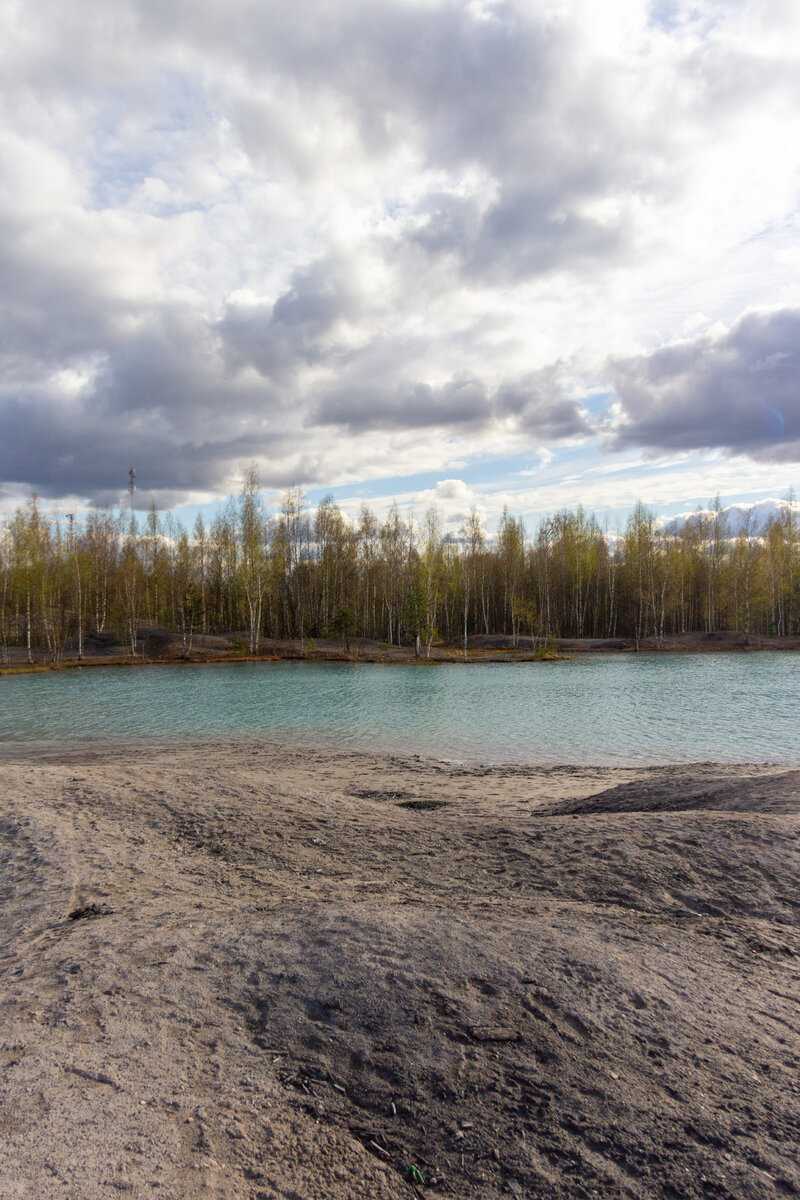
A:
(344, 624)
(547, 650)
(414, 610)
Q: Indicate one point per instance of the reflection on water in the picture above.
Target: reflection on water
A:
(646, 708)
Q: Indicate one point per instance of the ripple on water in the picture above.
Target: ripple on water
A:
(592, 709)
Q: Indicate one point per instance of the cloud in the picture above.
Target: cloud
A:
(535, 405)
(334, 237)
(542, 407)
(453, 500)
(299, 327)
(738, 390)
(525, 233)
(456, 403)
(738, 517)
(155, 402)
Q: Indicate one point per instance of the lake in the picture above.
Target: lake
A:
(592, 709)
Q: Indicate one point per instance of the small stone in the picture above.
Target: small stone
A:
(493, 1033)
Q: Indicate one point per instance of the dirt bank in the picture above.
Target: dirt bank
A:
(160, 645)
(260, 972)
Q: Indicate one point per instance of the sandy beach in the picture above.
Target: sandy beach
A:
(262, 971)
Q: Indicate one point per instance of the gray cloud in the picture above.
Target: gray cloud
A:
(542, 408)
(83, 451)
(161, 402)
(526, 233)
(361, 406)
(529, 233)
(54, 307)
(536, 403)
(299, 327)
(739, 392)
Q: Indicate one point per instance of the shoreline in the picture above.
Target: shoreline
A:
(493, 649)
(75, 749)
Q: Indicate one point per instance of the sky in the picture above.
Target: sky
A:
(439, 251)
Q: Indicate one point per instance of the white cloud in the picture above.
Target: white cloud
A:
(754, 516)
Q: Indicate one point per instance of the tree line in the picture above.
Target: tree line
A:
(300, 573)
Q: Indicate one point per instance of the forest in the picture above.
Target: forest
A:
(300, 573)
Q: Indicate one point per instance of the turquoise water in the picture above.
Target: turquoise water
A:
(592, 709)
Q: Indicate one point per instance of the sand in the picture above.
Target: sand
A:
(267, 972)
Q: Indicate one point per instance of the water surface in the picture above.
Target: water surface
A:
(592, 709)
